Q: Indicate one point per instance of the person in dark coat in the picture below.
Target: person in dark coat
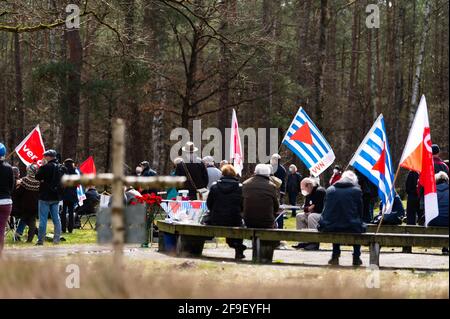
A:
(147, 171)
(260, 199)
(225, 205)
(413, 212)
(279, 172)
(395, 217)
(90, 203)
(70, 199)
(50, 194)
(293, 186)
(15, 211)
(369, 195)
(312, 209)
(27, 196)
(442, 193)
(196, 175)
(343, 213)
(7, 184)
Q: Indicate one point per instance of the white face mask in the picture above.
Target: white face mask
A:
(292, 170)
(304, 192)
(138, 171)
(335, 171)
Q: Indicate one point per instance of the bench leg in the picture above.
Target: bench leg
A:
(262, 251)
(374, 249)
(161, 246)
(190, 245)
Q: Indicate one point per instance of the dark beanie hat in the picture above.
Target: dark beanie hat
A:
(435, 148)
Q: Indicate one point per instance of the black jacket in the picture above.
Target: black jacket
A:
(225, 202)
(7, 181)
(90, 203)
(281, 174)
(316, 198)
(147, 172)
(50, 177)
(411, 184)
(198, 173)
(343, 209)
(293, 183)
(70, 193)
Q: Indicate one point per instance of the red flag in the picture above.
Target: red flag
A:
(88, 166)
(31, 149)
(417, 156)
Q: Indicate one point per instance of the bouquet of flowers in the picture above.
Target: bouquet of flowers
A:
(152, 203)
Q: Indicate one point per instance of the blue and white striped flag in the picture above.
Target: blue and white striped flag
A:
(80, 192)
(305, 140)
(373, 160)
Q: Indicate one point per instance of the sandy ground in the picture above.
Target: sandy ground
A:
(421, 259)
(294, 274)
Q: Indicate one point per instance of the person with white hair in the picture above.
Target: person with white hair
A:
(214, 174)
(260, 199)
(343, 213)
(312, 209)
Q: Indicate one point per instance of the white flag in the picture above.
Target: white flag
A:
(236, 153)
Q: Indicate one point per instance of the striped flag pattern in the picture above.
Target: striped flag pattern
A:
(305, 140)
(373, 160)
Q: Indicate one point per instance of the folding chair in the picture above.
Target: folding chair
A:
(89, 216)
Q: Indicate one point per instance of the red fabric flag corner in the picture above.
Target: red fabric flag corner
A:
(88, 166)
(380, 165)
(303, 134)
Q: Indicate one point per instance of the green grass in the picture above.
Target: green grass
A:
(79, 236)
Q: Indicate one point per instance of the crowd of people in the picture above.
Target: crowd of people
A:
(39, 195)
(346, 204)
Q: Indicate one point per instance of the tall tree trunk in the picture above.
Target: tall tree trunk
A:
(420, 58)
(321, 62)
(19, 108)
(72, 114)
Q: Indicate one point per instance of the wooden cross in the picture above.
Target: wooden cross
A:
(118, 180)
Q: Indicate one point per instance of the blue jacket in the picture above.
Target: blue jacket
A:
(396, 215)
(442, 193)
(343, 209)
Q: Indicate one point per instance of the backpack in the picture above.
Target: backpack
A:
(56, 185)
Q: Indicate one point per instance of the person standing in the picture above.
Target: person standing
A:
(439, 165)
(337, 173)
(293, 186)
(27, 197)
(7, 184)
(214, 174)
(279, 172)
(193, 169)
(70, 199)
(147, 171)
(369, 195)
(413, 201)
(50, 194)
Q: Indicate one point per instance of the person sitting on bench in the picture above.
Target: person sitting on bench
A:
(395, 217)
(225, 203)
(343, 213)
(315, 195)
(260, 199)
